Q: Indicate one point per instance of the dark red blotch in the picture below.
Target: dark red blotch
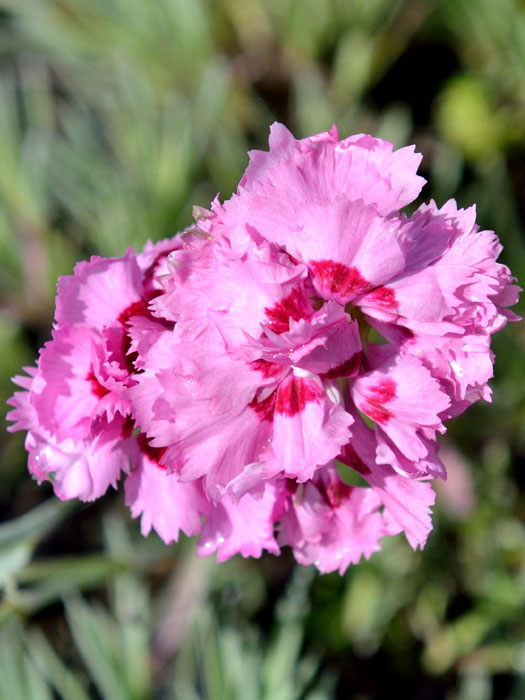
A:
(96, 387)
(347, 369)
(154, 454)
(339, 279)
(136, 308)
(269, 370)
(381, 393)
(295, 305)
(385, 297)
(335, 493)
(352, 459)
(293, 394)
(265, 408)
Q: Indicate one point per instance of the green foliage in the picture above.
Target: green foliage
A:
(109, 643)
(115, 119)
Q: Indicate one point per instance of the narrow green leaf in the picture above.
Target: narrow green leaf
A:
(12, 683)
(53, 668)
(36, 524)
(96, 639)
(13, 557)
(37, 688)
(131, 606)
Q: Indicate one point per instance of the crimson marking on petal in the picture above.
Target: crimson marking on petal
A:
(335, 493)
(128, 427)
(140, 308)
(378, 413)
(353, 460)
(136, 308)
(347, 369)
(155, 293)
(405, 332)
(154, 454)
(385, 297)
(293, 395)
(335, 278)
(291, 485)
(267, 369)
(384, 391)
(96, 387)
(265, 408)
(294, 305)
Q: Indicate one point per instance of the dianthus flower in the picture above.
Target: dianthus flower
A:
(303, 331)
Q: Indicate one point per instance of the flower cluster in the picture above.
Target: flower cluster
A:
(301, 338)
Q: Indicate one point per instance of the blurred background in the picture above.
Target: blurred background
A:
(116, 116)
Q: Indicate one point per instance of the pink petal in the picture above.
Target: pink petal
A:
(80, 469)
(401, 398)
(330, 524)
(163, 502)
(308, 429)
(361, 165)
(23, 414)
(243, 527)
(406, 500)
(99, 291)
(327, 344)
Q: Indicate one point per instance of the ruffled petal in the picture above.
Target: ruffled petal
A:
(243, 527)
(99, 292)
(402, 398)
(162, 501)
(329, 524)
(309, 430)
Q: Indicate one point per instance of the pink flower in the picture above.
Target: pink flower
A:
(79, 467)
(224, 371)
(330, 524)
